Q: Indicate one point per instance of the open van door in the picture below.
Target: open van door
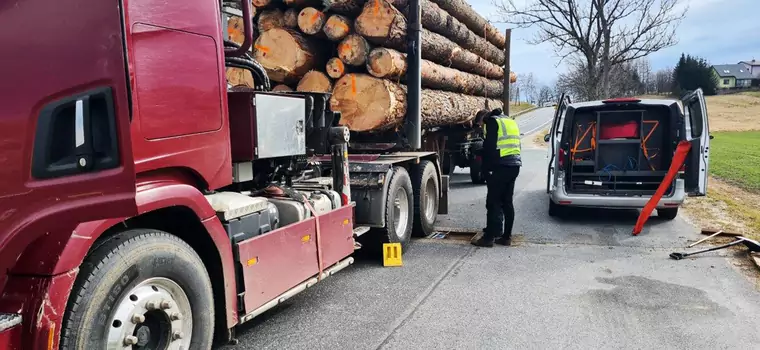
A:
(553, 138)
(65, 146)
(697, 132)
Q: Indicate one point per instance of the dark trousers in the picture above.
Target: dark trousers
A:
(500, 215)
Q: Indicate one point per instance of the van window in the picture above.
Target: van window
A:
(695, 119)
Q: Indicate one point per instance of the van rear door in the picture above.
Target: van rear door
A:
(696, 130)
(553, 138)
(65, 146)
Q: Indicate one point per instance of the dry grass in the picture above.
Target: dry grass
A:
(738, 112)
(538, 139)
(726, 207)
(513, 108)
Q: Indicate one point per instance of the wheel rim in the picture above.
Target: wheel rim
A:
(155, 314)
(430, 197)
(400, 212)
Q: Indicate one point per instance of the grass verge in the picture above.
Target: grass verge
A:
(734, 157)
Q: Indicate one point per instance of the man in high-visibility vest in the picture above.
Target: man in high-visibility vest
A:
(501, 163)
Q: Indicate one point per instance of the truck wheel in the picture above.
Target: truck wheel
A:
(398, 208)
(140, 289)
(426, 190)
(476, 171)
(668, 213)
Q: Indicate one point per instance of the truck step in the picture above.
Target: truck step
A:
(360, 230)
(9, 320)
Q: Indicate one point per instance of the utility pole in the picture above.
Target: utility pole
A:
(507, 75)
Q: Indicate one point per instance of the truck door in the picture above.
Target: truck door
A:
(65, 147)
(697, 132)
(553, 138)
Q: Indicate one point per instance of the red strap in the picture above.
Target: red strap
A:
(318, 238)
(678, 158)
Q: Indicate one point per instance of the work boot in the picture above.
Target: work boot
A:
(504, 240)
(483, 242)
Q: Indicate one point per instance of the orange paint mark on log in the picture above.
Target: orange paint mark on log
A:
(339, 66)
(343, 48)
(376, 8)
(261, 48)
(343, 26)
(314, 17)
(353, 84)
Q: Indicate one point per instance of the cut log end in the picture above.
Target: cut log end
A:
(285, 54)
(335, 68)
(337, 27)
(290, 18)
(353, 50)
(239, 77)
(386, 63)
(314, 81)
(282, 88)
(311, 20)
(270, 19)
(380, 20)
(260, 3)
(367, 103)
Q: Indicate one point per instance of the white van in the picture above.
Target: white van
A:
(615, 153)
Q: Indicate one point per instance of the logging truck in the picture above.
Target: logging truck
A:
(149, 201)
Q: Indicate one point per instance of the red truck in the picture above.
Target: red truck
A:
(146, 205)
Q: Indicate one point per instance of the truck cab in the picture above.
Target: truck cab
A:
(615, 153)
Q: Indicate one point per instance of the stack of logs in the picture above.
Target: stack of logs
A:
(356, 50)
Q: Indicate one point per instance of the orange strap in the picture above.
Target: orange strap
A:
(678, 159)
(318, 238)
(591, 127)
(645, 139)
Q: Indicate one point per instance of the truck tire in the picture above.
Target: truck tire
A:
(141, 288)
(426, 189)
(476, 171)
(668, 213)
(398, 208)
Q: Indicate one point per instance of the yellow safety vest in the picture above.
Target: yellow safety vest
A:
(508, 137)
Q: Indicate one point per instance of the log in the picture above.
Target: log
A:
(314, 81)
(261, 3)
(383, 25)
(391, 64)
(437, 20)
(337, 27)
(302, 3)
(367, 103)
(290, 18)
(353, 50)
(239, 77)
(286, 54)
(462, 11)
(282, 88)
(350, 8)
(335, 68)
(311, 20)
(235, 30)
(269, 19)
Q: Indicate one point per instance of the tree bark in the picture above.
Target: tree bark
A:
(349, 8)
(384, 25)
(437, 20)
(311, 20)
(335, 68)
(282, 88)
(314, 81)
(290, 18)
(391, 64)
(337, 27)
(353, 50)
(286, 54)
(269, 19)
(462, 11)
(367, 103)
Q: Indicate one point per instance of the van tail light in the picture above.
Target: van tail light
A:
(683, 169)
(561, 159)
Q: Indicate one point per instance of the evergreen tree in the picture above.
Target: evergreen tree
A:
(691, 73)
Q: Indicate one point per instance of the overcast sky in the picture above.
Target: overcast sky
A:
(721, 31)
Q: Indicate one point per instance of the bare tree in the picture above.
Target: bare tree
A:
(663, 81)
(544, 95)
(529, 87)
(598, 34)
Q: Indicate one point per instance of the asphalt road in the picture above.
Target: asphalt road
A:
(580, 283)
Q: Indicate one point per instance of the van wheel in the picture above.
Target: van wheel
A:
(398, 208)
(476, 171)
(668, 213)
(142, 289)
(426, 190)
(555, 210)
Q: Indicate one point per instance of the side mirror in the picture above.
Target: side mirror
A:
(547, 137)
(712, 137)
